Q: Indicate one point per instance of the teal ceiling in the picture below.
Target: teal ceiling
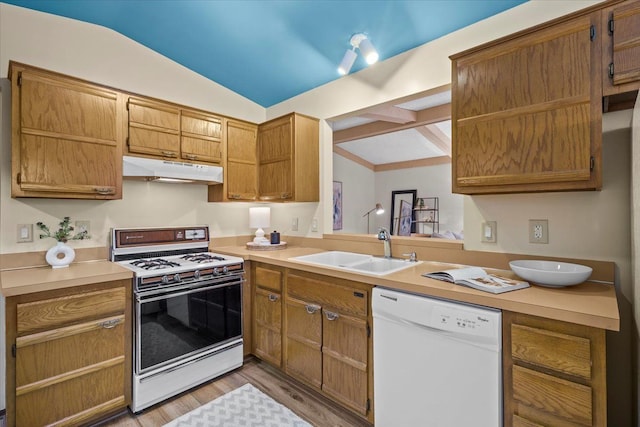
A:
(271, 50)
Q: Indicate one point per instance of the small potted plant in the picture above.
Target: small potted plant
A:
(61, 255)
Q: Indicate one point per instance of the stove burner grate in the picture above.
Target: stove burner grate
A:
(154, 264)
(200, 258)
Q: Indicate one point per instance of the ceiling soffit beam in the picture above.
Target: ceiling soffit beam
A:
(391, 114)
(423, 117)
(350, 156)
(417, 163)
(436, 137)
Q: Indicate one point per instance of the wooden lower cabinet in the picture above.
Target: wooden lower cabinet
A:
(327, 340)
(68, 355)
(267, 303)
(554, 373)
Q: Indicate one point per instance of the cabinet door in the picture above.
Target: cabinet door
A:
(82, 377)
(621, 47)
(268, 326)
(344, 359)
(519, 122)
(275, 150)
(241, 180)
(67, 137)
(201, 137)
(154, 128)
(76, 345)
(303, 357)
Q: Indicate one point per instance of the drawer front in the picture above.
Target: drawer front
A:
(58, 312)
(269, 279)
(324, 293)
(87, 345)
(560, 398)
(552, 350)
(88, 394)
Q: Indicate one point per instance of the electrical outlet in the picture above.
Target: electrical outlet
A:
(25, 233)
(82, 226)
(294, 224)
(538, 231)
(314, 224)
(489, 232)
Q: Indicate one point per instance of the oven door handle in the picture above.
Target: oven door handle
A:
(165, 295)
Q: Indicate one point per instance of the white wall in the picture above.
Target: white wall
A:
(101, 55)
(635, 234)
(431, 181)
(358, 195)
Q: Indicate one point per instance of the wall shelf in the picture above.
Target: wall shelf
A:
(427, 214)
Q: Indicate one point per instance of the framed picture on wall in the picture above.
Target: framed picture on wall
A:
(406, 218)
(397, 196)
(337, 205)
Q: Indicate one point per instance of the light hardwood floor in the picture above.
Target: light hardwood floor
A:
(308, 405)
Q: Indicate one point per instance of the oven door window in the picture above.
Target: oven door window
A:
(179, 326)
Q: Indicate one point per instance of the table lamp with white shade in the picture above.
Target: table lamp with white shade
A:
(259, 218)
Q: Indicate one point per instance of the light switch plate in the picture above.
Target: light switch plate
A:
(25, 233)
(489, 232)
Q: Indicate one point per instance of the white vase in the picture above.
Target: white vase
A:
(60, 255)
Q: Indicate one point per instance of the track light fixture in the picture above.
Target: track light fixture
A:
(358, 41)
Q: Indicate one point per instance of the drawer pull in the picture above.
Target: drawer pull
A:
(104, 190)
(331, 315)
(311, 308)
(273, 298)
(169, 154)
(191, 156)
(110, 324)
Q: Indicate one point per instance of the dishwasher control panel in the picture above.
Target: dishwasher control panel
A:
(460, 320)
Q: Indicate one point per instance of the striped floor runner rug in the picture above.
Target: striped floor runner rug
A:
(245, 406)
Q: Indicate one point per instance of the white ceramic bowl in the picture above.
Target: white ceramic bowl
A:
(551, 273)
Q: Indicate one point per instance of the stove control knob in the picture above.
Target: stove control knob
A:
(196, 274)
(176, 277)
(216, 271)
(225, 269)
(165, 279)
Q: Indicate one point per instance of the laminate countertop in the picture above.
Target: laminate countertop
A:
(29, 280)
(591, 304)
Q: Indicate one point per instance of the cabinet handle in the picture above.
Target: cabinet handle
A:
(191, 156)
(234, 196)
(104, 190)
(273, 298)
(331, 315)
(285, 196)
(311, 308)
(169, 154)
(110, 324)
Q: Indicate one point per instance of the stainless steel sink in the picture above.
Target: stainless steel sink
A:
(355, 262)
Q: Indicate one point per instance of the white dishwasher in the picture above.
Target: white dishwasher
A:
(436, 363)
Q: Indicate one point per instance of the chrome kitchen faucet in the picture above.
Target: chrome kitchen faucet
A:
(383, 234)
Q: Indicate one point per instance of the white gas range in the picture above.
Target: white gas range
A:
(187, 309)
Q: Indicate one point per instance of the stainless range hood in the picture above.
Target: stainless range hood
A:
(170, 171)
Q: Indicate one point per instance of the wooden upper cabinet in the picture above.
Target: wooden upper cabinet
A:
(201, 137)
(154, 128)
(621, 47)
(527, 112)
(67, 136)
(288, 155)
(241, 169)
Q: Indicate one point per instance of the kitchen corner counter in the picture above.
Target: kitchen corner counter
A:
(29, 280)
(590, 304)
